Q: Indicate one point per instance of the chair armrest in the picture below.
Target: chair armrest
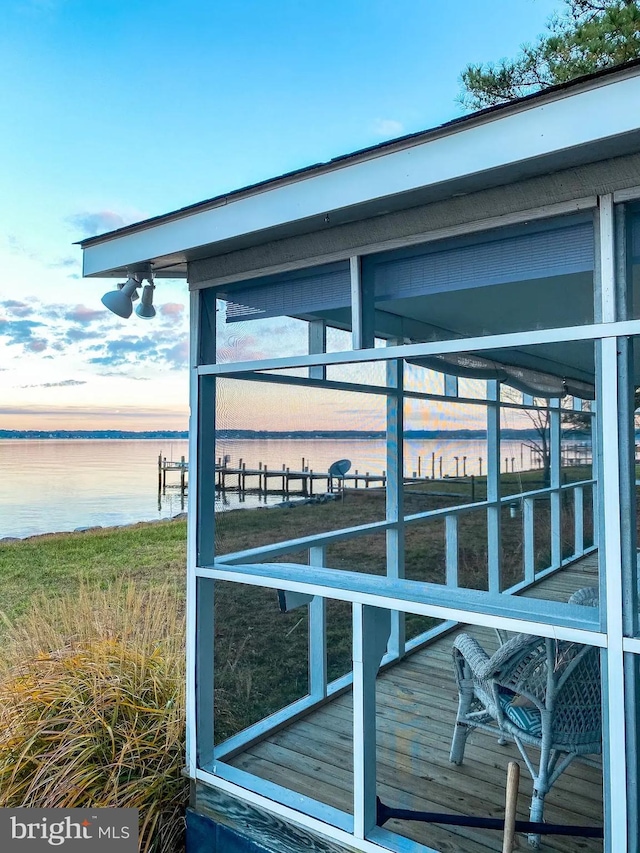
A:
(474, 656)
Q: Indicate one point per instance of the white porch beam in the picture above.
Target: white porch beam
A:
(482, 343)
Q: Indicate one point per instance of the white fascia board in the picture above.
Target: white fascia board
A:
(531, 132)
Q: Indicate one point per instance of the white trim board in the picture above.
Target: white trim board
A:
(535, 129)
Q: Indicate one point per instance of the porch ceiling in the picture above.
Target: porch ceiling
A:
(541, 303)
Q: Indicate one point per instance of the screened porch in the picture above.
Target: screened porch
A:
(416, 703)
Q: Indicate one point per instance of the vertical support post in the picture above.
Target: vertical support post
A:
(395, 491)
(595, 465)
(200, 543)
(450, 385)
(555, 462)
(317, 342)
(371, 629)
(614, 728)
(362, 307)
(317, 633)
(578, 520)
(609, 372)
(451, 536)
(528, 510)
(493, 485)
(628, 509)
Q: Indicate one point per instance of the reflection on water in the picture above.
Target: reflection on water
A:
(58, 485)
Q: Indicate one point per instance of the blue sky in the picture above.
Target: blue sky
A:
(116, 110)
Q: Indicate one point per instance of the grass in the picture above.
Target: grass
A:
(255, 643)
(59, 562)
(92, 707)
(260, 653)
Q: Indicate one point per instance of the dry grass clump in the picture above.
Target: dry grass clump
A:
(92, 707)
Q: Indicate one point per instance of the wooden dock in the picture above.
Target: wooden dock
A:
(263, 480)
(416, 711)
(303, 481)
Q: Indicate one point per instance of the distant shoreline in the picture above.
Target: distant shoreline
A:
(255, 435)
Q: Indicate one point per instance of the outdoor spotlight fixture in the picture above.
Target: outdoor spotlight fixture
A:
(120, 301)
(146, 309)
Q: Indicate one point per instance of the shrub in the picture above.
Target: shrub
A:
(92, 707)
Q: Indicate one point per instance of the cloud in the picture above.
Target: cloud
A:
(18, 309)
(121, 375)
(83, 314)
(177, 355)
(111, 413)
(124, 351)
(98, 222)
(19, 248)
(388, 127)
(65, 383)
(64, 263)
(77, 334)
(173, 310)
(36, 345)
(20, 331)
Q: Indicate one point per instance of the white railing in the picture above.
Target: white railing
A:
(320, 689)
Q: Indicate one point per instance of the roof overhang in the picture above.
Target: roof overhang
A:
(589, 120)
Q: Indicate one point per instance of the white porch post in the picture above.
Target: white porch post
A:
(628, 510)
(395, 493)
(362, 307)
(200, 542)
(614, 722)
(318, 633)
(555, 461)
(493, 485)
(371, 627)
(317, 340)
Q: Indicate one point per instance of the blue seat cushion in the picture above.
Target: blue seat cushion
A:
(526, 718)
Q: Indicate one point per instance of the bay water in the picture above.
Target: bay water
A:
(60, 485)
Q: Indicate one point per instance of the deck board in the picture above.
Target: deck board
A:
(416, 707)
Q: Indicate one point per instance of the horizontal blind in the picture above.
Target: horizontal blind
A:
(518, 258)
(290, 297)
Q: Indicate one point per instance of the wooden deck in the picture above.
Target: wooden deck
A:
(416, 708)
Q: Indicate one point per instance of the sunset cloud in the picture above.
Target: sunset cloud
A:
(172, 309)
(178, 355)
(65, 383)
(82, 314)
(36, 345)
(18, 309)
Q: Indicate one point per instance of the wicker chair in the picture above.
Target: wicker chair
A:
(588, 596)
(540, 692)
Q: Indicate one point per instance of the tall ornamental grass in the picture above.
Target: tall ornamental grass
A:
(92, 707)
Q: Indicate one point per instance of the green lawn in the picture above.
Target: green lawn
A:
(261, 654)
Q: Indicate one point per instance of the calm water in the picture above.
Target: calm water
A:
(62, 485)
